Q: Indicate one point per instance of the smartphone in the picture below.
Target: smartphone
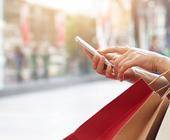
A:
(90, 49)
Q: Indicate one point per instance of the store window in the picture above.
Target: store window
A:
(153, 25)
(38, 37)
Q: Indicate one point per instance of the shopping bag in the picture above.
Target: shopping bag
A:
(130, 116)
(163, 133)
(114, 115)
(144, 124)
(151, 130)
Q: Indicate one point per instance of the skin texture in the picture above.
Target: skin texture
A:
(127, 62)
(131, 57)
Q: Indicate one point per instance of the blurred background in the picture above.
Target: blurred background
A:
(38, 55)
(37, 37)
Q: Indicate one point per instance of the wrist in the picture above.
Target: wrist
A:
(163, 64)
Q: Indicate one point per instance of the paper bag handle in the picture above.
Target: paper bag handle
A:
(167, 93)
(157, 78)
(162, 88)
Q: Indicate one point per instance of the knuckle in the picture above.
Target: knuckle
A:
(122, 67)
(117, 61)
(119, 65)
(125, 65)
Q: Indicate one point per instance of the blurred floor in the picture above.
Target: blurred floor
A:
(53, 114)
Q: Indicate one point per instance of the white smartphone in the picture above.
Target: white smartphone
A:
(89, 48)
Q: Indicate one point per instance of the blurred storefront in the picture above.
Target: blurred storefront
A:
(114, 24)
(152, 17)
(35, 41)
(33, 30)
(1, 46)
(153, 24)
(38, 36)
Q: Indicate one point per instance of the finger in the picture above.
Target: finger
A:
(114, 58)
(117, 61)
(120, 58)
(95, 60)
(131, 75)
(111, 56)
(125, 67)
(112, 76)
(108, 56)
(121, 77)
(114, 68)
(126, 59)
(100, 66)
(109, 71)
(119, 50)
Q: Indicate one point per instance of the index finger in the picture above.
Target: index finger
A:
(120, 50)
(111, 56)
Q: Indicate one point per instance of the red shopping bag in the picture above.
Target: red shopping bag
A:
(114, 115)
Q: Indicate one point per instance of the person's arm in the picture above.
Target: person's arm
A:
(131, 75)
(149, 77)
(130, 57)
(163, 65)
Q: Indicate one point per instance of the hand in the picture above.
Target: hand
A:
(99, 66)
(130, 57)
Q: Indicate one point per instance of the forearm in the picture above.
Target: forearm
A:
(163, 65)
(148, 77)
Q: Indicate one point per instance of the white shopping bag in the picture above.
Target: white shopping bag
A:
(164, 131)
